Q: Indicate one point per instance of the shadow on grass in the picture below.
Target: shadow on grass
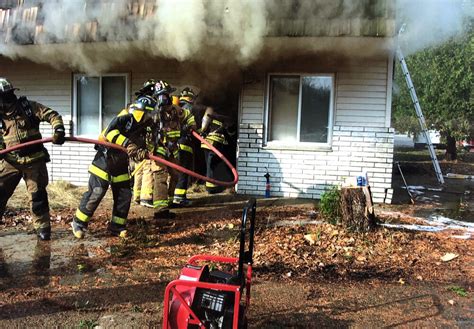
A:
(89, 299)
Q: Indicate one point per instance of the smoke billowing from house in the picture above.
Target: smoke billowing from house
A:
(92, 36)
(431, 22)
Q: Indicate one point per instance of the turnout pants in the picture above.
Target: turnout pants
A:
(215, 168)
(35, 176)
(185, 159)
(107, 169)
(165, 180)
(143, 182)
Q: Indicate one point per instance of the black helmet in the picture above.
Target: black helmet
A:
(162, 93)
(6, 86)
(187, 95)
(145, 103)
(163, 87)
(148, 88)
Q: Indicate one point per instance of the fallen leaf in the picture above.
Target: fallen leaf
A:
(449, 256)
(311, 238)
(361, 259)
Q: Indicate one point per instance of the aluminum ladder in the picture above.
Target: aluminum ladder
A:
(419, 114)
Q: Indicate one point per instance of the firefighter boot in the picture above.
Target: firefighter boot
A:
(117, 230)
(78, 229)
(146, 203)
(44, 233)
(179, 201)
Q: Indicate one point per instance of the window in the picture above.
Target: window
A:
(300, 108)
(97, 100)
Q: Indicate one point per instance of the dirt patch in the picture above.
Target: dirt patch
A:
(340, 279)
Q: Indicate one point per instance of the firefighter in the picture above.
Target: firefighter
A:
(185, 146)
(110, 166)
(217, 130)
(19, 123)
(175, 122)
(143, 174)
(143, 183)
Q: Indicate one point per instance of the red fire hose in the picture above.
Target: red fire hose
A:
(151, 156)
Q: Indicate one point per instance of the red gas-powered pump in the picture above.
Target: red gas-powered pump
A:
(208, 298)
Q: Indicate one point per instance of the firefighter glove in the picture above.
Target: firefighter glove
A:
(136, 153)
(59, 136)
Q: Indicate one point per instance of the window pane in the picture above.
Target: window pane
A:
(88, 105)
(284, 107)
(113, 98)
(315, 105)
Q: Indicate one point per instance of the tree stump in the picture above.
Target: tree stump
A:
(357, 209)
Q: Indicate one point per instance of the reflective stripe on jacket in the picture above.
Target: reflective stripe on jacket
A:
(22, 125)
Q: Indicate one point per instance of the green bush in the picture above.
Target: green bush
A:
(330, 205)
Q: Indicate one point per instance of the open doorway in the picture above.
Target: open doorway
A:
(225, 101)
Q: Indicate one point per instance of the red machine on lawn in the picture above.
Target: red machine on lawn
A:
(204, 297)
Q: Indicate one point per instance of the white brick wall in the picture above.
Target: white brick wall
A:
(360, 141)
(307, 174)
(69, 162)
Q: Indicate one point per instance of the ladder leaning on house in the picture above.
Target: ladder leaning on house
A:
(419, 114)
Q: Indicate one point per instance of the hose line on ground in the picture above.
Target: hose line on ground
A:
(151, 156)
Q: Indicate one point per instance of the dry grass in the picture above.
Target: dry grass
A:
(61, 195)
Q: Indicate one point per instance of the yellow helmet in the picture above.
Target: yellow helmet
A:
(187, 95)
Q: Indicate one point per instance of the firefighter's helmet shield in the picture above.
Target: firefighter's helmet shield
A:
(6, 85)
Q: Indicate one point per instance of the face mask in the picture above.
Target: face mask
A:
(164, 100)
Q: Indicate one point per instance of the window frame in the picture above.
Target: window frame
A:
(75, 110)
(297, 144)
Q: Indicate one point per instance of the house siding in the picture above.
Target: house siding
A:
(361, 137)
(53, 88)
(41, 83)
(360, 141)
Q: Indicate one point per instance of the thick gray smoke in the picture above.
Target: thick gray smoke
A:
(122, 29)
(94, 35)
(431, 22)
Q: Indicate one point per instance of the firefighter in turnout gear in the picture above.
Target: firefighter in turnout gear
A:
(217, 130)
(143, 181)
(19, 123)
(143, 174)
(185, 146)
(175, 123)
(110, 166)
